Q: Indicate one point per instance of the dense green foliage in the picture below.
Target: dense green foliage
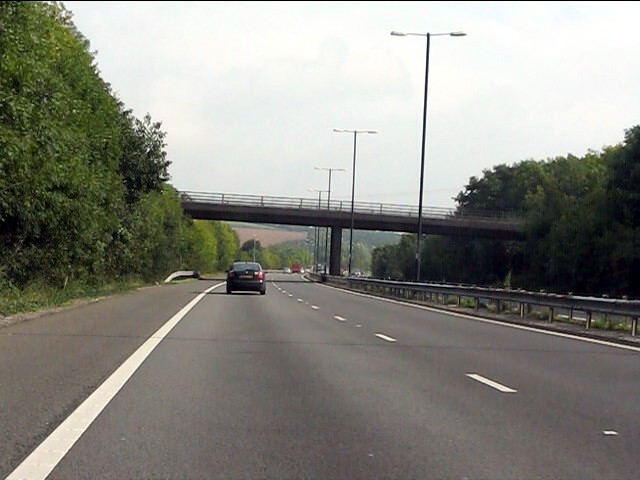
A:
(59, 145)
(395, 262)
(582, 219)
(84, 198)
(364, 244)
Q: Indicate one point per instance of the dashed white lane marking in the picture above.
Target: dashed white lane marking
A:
(610, 432)
(486, 320)
(339, 318)
(386, 337)
(300, 300)
(291, 295)
(491, 383)
(48, 454)
(314, 307)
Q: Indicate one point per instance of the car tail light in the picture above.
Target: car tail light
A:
(232, 273)
(259, 275)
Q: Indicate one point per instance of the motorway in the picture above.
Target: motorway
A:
(185, 382)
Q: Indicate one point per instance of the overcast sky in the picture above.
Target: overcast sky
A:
(249, 92)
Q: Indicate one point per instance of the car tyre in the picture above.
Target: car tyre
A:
(263, 292)
(228, 291)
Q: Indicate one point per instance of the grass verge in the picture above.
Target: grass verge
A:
(40, 296)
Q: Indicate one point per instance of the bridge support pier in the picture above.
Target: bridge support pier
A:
(336, 248)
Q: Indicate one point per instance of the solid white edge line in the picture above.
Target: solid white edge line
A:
(339, 318)
(41, 462)
(385, 337)
(491, 383)
(493, 322)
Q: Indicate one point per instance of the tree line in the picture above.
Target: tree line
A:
(582, 228)
(84, 192)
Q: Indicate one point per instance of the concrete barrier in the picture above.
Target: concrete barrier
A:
(182, 274)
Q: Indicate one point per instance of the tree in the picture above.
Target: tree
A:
(251, 245)
(202, 247)
(395, 262)
(228, 244)
(61, 198)
(581, 219)
(143, 162)
(83, 183)
(623, 185)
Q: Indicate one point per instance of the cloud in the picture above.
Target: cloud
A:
(249, 92)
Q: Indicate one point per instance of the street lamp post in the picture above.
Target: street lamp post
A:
(424, 131)
(316, 237)
(353, 182)
(326, 236)
(254, 249)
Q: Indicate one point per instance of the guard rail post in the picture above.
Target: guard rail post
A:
(634, 326)
(551, 312)
(588, 323)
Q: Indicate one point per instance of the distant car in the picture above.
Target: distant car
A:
(246, 276)
(286, 270)
(295, 268)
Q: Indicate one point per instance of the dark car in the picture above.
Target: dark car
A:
(246, 276)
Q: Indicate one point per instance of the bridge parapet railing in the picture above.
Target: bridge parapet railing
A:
(609, 310)
(343, 206)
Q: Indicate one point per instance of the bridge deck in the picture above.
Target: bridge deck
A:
(366, 216)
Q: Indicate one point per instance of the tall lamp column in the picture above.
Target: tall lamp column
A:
(353, 182)
(424, 131)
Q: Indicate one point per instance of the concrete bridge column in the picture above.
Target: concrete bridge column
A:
(334, 254)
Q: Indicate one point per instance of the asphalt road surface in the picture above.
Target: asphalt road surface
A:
(307, 382)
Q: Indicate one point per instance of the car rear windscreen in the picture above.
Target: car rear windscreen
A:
(247, 266)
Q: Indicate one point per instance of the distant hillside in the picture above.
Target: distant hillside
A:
(268, 236)
(272, 234)
(268, 226)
